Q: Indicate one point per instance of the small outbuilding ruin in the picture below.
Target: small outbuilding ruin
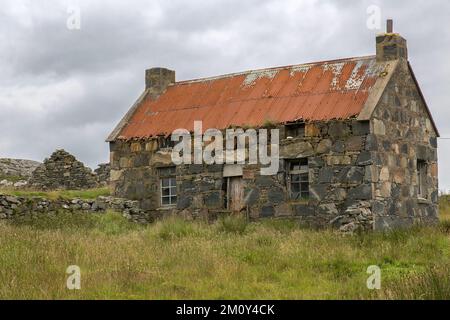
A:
(62, 171)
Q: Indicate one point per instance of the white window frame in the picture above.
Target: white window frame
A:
(170, 177)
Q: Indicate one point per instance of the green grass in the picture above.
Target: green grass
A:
(444, 208)
(230, 259)
(64, 194)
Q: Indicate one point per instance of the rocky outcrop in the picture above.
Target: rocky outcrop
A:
(62, 171)
(17, 168)
(5, 183)
(12, 207)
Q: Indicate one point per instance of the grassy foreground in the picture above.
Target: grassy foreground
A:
(230, 259)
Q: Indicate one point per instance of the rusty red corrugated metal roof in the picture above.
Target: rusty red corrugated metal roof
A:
(310, 92)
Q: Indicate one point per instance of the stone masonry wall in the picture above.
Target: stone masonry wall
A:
(402, 134)
(11, 207)
(62, 171)
(103, 174)
(340, 189)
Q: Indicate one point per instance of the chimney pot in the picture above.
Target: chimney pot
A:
(389, 26)
(390, 45)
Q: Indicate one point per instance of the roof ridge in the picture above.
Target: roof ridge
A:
(233, 74)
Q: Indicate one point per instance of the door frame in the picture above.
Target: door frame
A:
(229, 193)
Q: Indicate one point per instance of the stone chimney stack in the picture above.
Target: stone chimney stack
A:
(390, 45)
(158, 79)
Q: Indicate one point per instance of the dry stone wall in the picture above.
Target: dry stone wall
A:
(11, 207)
(103, 174)
(62, 171)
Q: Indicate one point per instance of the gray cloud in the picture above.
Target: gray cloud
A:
(68, 89)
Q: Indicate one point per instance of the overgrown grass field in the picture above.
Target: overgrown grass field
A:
(230, 259)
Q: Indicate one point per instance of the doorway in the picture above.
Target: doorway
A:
(235, 194)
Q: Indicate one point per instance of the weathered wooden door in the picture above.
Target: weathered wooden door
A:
(236, 194)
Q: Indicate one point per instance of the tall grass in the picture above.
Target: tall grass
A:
(430, 284)
(444, 212)
(230, 259)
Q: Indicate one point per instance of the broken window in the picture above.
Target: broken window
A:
(298, 179)
(165, 142)
(168, 186)
(422, 178)
(295, 130)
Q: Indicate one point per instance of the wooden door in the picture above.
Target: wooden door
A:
(236, 194)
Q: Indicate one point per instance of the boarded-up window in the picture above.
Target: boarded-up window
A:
(168, 186)
(422, 178)
(298, 179)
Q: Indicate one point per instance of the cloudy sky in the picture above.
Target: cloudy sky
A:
(66, 87)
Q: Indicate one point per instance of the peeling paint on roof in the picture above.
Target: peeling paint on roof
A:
(311, 92)
(300, 68)
(253, 76)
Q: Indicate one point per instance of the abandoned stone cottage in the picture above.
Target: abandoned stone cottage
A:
(358, 145)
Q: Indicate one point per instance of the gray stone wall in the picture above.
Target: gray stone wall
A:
(103, 174)
(338, 163)
(62, 171)
(134, 171)
(402, 134)
(11, 207)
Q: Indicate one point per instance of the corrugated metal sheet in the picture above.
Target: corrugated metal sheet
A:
(310, 92)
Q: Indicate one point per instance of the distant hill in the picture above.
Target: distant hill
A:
(16, 169)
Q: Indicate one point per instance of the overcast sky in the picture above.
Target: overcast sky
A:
(64, 87)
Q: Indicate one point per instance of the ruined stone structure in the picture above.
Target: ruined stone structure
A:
(103, 174)
(62, 171)
(358, 148)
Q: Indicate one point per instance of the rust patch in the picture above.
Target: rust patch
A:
(311, 92)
